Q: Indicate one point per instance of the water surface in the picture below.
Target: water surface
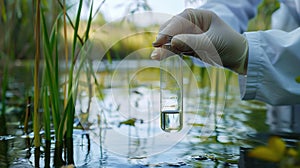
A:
(122, 126)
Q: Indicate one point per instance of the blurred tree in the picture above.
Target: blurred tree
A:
(17, 25)
(16, 28)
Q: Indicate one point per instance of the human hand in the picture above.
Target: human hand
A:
(203, 34)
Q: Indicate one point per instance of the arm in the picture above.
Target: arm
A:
(235, 13)
(273, 65)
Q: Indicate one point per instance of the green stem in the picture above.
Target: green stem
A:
(70, 105)
(46, 114)
(4, 88)
(36, 119)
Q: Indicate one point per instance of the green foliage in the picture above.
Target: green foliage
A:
(50, 78)
(16, 18)
(262, 21)
(62, 105)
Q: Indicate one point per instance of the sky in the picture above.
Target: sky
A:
(116, 9)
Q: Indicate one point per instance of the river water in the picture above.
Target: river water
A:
(121, 119)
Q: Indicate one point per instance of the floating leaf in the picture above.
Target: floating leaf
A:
(264, 153)
(273, 152)
(277, 145)
(292, 152)
(297, 79)
(130, 122)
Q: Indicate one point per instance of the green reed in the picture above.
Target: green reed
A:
(57, 96)
(50, 80)
(4, 89)
(3, 129)
(36, 119)
(70, 108)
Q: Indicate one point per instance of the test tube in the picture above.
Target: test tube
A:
(171, 94)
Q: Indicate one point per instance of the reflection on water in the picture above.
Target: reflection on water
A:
(123, 128)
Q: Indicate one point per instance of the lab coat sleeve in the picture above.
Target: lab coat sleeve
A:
(236, 13)
(273, 65)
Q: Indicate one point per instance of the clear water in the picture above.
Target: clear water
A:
(215, 123)
(171, 120)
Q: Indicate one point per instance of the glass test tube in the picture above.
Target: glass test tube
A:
(171, 95)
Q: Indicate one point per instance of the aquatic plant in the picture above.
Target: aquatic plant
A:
(277, 151)
(36, 120)
(4, 81)
(297, 79)
(62, 104)
(58, 90)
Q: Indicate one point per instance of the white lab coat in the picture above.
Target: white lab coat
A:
(274, 59)
(274, 55)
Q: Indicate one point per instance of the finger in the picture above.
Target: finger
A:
(184, 23)
(200, 44)
(161, 53)
(189, 42)
(161, 39)
(155, 55)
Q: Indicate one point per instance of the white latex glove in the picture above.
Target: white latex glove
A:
(203, 34)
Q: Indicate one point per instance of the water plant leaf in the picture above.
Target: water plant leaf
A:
(292, 152)
(297, 79)
(264, 153)
(277, 145)
(51, 79)
(130, 122)
(89, 23)
(273, 152)
(76, 28)
(70, 20)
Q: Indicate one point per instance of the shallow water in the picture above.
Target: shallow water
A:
(123, 129)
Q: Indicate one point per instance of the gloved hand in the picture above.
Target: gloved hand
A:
(203, 34)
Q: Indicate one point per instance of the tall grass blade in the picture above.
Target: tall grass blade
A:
(89, 23)
(70, 109)
(36, 119)
(51, 77)
(76, 28)
(70, 21)
(66, 50)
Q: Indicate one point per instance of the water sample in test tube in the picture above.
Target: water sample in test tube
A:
(171, 94)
